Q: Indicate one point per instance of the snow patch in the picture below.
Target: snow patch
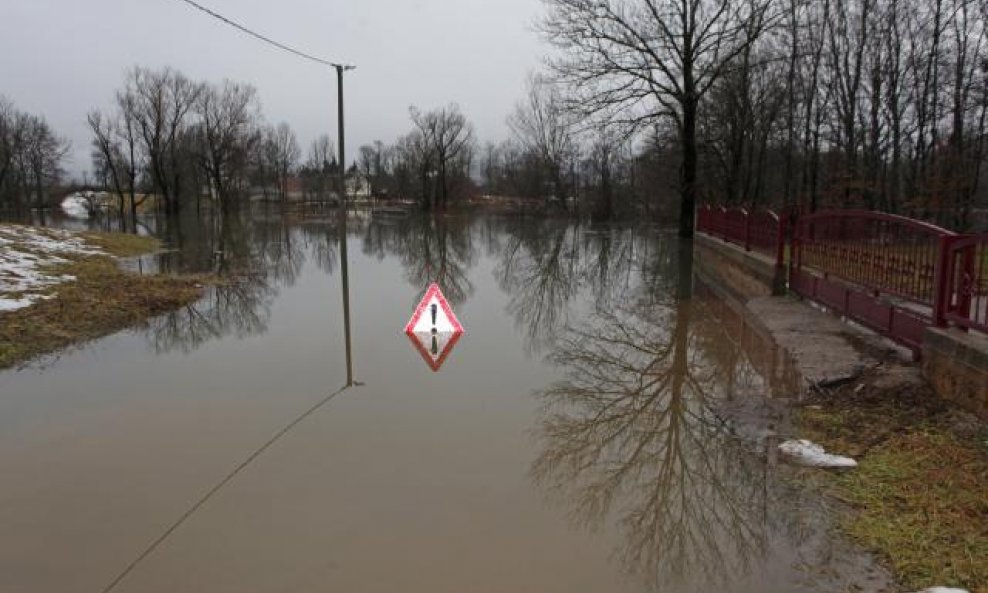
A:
(26, 256)
(15, 304)
(943, 590)
(77, 205)
(811, 454)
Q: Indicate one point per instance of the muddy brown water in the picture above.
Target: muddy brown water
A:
(605, 424)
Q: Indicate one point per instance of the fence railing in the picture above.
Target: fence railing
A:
(893, 274)
(892, 255)
(763, 230)
(965, 289)
(881, 270)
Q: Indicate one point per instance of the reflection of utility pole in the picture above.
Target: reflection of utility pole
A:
(345, 273)
(344, 267)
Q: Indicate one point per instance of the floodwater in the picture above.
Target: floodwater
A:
(605, 424)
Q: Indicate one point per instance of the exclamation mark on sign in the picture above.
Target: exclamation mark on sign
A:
(435, 341)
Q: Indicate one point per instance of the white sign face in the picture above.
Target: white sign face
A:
(433, 328)
(434, 317)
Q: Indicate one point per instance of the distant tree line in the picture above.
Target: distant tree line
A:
(185, 141)
(647, 107)
(550, 162)
(31, 155)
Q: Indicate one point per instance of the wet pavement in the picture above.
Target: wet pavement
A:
(606, 423)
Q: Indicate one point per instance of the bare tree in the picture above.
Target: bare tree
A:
(283, 152)
(641, 60)
(8, 147)
(372, 164)
(108, 160)
(43, 153)
(414, 165)
(162, 101)
(544, 125)
(320, 167)
(228, 126)
(449, 137)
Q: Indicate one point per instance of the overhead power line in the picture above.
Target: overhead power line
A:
(265, 39)
(219, 486)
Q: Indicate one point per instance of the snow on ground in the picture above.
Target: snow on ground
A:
(78, 205)
(942, 590)
(811, 454)
(25, 252)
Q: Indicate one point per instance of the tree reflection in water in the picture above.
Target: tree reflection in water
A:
(252, 258)
(634, 437)
(539, 269)
(545, 266)
(430, 248)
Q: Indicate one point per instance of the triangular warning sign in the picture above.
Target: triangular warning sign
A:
(433, 313)
(433, 328)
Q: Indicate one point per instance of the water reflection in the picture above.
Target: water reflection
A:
(637, 436)
(538, 268)
(239, 307)
(546, 265)
(345, 289)
(431, 249)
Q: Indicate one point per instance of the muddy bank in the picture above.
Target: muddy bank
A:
(61, 289)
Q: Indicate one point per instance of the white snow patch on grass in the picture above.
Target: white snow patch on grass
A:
(26, 257)
(76, 206)
(943, 590)
(811, 454)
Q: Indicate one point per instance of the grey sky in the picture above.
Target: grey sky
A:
(61, 58)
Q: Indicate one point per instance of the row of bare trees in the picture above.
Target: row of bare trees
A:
(812, 103)
(429, 165)
(31, 158)
(583, 166)
(183, 140)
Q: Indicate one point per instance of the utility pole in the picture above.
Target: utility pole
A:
(340, 69)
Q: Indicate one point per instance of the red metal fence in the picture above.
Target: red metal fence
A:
(893, 274)
(880, 270)
(965, 296)
(762, 231)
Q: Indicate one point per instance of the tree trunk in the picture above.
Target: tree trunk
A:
(687, 205)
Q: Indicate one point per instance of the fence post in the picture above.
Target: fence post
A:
(967, 284)
(747, 229)
(943, 278)
(796, 251)
(780, 240)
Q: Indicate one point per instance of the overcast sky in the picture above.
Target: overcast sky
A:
(61, 58)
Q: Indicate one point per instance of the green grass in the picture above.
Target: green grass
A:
(919, 497)
(922, 501)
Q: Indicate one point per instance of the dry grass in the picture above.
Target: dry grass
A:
(123, 244)
(103, 299)
(920, 494)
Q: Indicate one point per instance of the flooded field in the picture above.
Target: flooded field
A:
(605, 424)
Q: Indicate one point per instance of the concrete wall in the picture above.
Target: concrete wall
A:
(956, 364)
(744, 274)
